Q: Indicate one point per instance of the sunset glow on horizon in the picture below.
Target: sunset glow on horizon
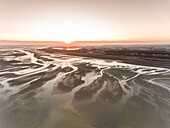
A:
(64, 31)
(77, 20)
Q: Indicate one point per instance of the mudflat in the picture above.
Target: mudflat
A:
(52, 88)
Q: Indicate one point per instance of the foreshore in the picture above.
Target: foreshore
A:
(146, 56)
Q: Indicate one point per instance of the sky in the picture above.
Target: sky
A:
(73, 20)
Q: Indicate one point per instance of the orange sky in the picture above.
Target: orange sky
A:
(71, 20)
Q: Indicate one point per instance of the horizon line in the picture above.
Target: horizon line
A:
(114, 41)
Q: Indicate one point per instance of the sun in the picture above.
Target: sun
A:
(67, 42)
(67, 31)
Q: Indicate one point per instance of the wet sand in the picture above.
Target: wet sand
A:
(41, 89)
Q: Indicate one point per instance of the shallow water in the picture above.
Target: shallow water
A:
(49, 90)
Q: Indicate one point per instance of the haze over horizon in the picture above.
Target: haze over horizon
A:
(78, 20)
